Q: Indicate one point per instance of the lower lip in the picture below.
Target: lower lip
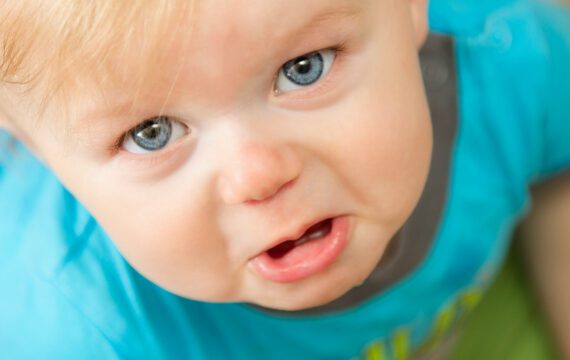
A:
(306, 259)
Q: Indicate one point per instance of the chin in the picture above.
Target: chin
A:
(292, 305)
(307, 295)
(298, 305)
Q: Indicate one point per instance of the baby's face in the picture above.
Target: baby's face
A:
(284, 145)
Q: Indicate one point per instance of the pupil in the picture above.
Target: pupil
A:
(151, 132)
(303, 66)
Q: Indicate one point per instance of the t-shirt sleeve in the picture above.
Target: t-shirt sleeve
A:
(555, 20)
(37, 320)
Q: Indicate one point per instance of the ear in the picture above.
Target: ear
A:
(419, 12)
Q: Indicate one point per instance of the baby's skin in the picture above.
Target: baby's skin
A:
(270, 157)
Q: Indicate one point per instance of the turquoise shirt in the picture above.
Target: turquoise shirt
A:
(67, 293)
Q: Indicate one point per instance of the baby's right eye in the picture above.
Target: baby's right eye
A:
(153, 134)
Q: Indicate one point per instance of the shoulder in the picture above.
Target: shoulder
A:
(514, 77)
(512, 40)
(471, 18)
(37, 319)
(527, 35)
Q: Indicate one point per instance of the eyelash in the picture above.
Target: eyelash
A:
(322, 84)
(148, 160)
(117, 145)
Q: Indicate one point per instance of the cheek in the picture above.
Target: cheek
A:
(384, 156)
(170, 237)
(394, 164)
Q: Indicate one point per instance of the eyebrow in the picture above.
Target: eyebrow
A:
(349, 11)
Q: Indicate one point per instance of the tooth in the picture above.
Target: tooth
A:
(302, 240)
(313, 235)
(318, 234)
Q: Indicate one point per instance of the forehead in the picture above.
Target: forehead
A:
(223, 29)
(227, 33)
(184, 50)
(218, 38)
(242, 26)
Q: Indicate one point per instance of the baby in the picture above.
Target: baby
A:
(263, 179)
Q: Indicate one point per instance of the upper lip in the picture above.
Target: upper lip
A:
(296, 234)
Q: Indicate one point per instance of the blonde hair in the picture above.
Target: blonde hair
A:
(57, 44)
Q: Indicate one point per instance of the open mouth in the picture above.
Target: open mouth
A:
(296, 259)
(316, 231)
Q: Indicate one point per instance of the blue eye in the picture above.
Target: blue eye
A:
(304, 71)
(153, 134)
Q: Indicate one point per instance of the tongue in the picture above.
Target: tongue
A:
(316, 231)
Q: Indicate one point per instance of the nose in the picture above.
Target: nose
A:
(257, 171)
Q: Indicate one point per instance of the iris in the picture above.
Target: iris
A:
(304, 70)
(153, 134)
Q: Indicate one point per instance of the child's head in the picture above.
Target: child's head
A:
(201, 135)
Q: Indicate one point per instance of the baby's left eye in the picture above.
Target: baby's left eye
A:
(304, 70)
(153, 134)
